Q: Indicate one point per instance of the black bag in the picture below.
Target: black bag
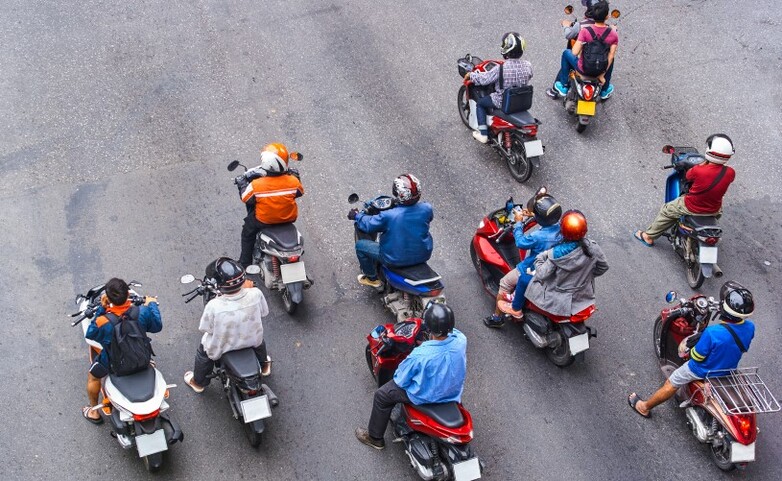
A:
(594, 57)
(131, 349)
(515, 99)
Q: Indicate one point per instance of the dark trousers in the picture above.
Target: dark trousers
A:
(204, 366)
(385, 399)
(249, 232)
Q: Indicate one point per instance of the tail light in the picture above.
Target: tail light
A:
(434, 293)
(144, 417)
(293, 259)
(745, 426)
(531, 130)
(589, 91)
(711, 241)
(252, 392)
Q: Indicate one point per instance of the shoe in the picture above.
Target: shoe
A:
(266, 367)
(552, 93)
(494, 321)
(507, 308)
(605, 93)
(193, 385)
(560, 89)
(480, 137)
(363, 436)
(366, 281)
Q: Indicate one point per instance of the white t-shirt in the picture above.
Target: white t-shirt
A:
(232, 322)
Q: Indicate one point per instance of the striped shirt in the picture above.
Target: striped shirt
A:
(515, 73)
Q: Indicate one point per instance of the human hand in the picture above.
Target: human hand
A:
(467, 76)
(352, 214)
(148, 299)
(248, 283)
(566, 23)
(104, 301)
(518, 215)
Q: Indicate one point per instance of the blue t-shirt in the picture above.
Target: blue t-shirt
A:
(717, 349)
(434, 372)
(535, 242)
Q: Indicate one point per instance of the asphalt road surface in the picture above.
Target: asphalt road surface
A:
(120, 117)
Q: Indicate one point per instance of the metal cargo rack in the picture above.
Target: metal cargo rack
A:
(740, 391)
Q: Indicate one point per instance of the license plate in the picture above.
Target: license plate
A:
(585, 107)
(740, 453)
(256, 408)
(467, 470)
(707, 255)
(578, 343)
(293, 272)
(151, 443)
(533, 148)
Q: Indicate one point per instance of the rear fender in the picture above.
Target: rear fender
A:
(571, 330)
(295, 290)
(708, 270)
(257, 426)
(173, 432)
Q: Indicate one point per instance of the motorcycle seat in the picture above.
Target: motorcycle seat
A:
(416, 275)
(138, 387)
(284, 235)
(518, 118)
(700, 221)
(447, 414)
(242, 363)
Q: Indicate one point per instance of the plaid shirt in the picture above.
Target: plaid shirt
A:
(515, 73)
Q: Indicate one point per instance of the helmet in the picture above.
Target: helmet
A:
(513, 45)
(274, 159)
(407, 188)
(438, 318)
(573, 225)
(546, 209)
(230, 275)
(719, 149)
(736, 302)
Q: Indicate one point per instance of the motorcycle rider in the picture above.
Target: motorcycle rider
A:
(270, 192)
(115, 301)
(709, 183)
(434, 372)
(515, 73)
(572, 59)
(547, 212)
(404, 232)
(231, 321)
(563, 283)
(572, 29)
(720, 346)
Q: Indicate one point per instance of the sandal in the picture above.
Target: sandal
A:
(266, 367)
(189, 381)
(85, 411)
(639, 235)
(632, 400)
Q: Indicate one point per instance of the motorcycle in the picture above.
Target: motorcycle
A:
(436, 436)
(694, 238)
(405, 290)
(494, 253)
(239, 371)
(135, 405)
(721, 409)
(513, 136)
(278, 249)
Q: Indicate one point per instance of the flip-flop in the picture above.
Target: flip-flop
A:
(189, 379)
(640, 238)
(632, 400)
(267, 372)
(85, 411)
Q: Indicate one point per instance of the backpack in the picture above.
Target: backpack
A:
(594, 60)
(130, 349)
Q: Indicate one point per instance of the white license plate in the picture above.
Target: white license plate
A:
(293, 272)
(151, 443)
(707, 255)
(740, 453)
(533, 148)
(467, 470)
(578, 343)
(256, 408)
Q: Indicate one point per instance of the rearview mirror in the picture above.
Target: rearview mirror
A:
(233, 165)
(668, 149)
(352, 198)
(670, 297)
(187, 278)
(541, 191)
(569, 9)
(296, 156)
(252, 269)
(615, 13)
(134, 284)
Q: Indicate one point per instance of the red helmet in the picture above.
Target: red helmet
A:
(573, 225)
(407, 188)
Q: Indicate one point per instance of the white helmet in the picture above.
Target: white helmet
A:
(272, 163)
(719, 149)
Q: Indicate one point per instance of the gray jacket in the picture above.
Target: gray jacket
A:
(565, 286)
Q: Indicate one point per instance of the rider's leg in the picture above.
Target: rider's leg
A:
(368, 253)
(481, 105)
(667, 217)
(249, 232)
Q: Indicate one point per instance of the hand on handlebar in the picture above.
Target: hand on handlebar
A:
(149, 299)
(352, 214)
(567, 23)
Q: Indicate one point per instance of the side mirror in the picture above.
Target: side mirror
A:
(352, 198)
(134, 284)
(233, 165)
(668, 149)
(187, 278)
(615, 13)
(569, 9)
(670, 297)
(541, 191)
(252, 269)
(296, 156)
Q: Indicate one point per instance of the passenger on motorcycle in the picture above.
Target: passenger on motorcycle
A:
(515, 73)
(434, 372)
(404, 232)
(572, 59)
(709, 183)
(572, 29)
(115, 302)
(270, 192)
(547, 212)
(231, 321)
(563, 282)
(719, 346)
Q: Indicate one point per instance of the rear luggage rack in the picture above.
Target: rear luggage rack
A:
(740, 391)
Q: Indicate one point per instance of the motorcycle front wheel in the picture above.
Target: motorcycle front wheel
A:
(695, 275)
(519, 165)
(560, 355)
(657, 333)
(464, 106)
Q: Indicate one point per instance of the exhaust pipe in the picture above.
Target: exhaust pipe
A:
(717, 271)
(536, 338)
(699, 428)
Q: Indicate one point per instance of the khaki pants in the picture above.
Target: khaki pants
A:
(667, 217)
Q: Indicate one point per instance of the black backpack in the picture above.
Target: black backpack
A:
(130, 350)
(594, 59)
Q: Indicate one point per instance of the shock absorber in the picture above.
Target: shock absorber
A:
(276, 267)
(506, 140)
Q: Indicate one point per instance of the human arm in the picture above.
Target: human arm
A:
(372, 223)
(407, 370)
(149, 317)
(577, 46)
(571, 29)
(206, 325)
(544, 267)
(524, 241)
(299, 188)
(601, 265)
(701, 351)
(485, 78)
(248, 193)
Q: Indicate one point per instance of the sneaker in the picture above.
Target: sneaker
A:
(366, 281)
(605, 93)
(482, 138)
(507, 308)
(363, 436)
(560, 89)
(191, 383)
(494, 321)
(266, 367)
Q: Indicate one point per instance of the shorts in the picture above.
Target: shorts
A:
(99, 370)
(683, 376)
(509, 281)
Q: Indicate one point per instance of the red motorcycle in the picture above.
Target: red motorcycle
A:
(721, 409)
(436, 436)
(514, 135)
(494, 253)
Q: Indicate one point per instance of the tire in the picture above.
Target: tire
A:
(253, 437)
(695, 275)
(721, 454)
(153, 462)
(464, 106)
(561, 356)
(368, 355)
(487, 279)
(580, 128)
(657, 332)
(519, 165)
(290, 306)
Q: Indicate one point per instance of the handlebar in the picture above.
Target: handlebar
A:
(667, 167)
(191, 297)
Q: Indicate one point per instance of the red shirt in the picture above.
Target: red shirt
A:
(702, 176)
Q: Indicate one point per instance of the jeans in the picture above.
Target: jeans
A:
(368, 253)
(570, 62)
(385, 399)
(204, 366)
(249, 232)
(482, 104)
(523, 282)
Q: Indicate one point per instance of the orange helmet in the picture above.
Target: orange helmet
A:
(278, 149)
(573, 225)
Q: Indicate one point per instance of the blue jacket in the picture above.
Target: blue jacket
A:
(535, 242)
(434, 371)
(716, 349)
(101, 329)
(404, 233)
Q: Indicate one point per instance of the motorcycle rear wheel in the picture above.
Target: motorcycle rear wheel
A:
(153, 462)
(721, 454)
(657, 333)
(580, 128)
(560, 355)
(464, 106)
(290, 306)
(695, 275)
(253, 437)
(519, 165)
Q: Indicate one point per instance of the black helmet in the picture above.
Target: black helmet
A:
(229, 274)
(513, 45)
(438, 318)
(736, 303)
(545, 208)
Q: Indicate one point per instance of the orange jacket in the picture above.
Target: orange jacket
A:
(275, 198)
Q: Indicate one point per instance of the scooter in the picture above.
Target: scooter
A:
(494, 253)
(513, 136)
(694, 238)
(278, 249)
(436, 436)
(721, 409)
(405, 290)
(239, 371)
(135, 405)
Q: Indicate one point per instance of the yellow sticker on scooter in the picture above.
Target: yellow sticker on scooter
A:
(585, 108)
